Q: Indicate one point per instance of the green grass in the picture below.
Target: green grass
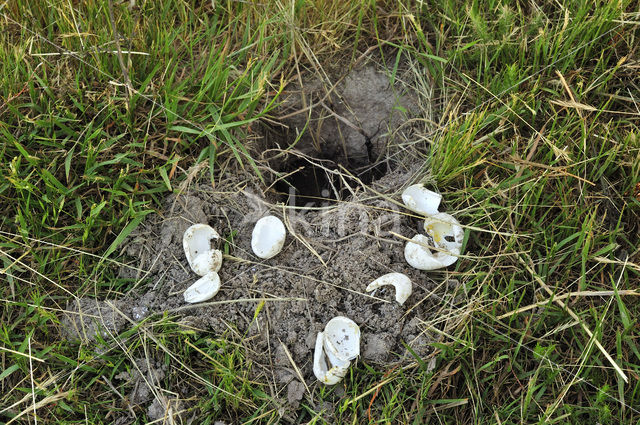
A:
(536, 143)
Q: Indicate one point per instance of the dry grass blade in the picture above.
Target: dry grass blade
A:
(371, 390)
(573, 104)
(325, 282)
(33, 385)
(302, 240)
(238, 300)
(29, 356)
(295, 366)
(634, 266)
(42, 403)
(628, 292)
(51, 380)
(116, 38)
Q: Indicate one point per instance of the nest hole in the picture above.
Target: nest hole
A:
(309, 185)
(326, 135)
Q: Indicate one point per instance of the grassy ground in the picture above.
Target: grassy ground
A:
(105, 108)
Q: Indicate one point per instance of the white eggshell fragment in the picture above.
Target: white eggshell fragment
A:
(446, 232)
(332, 355)
(418, 255)
(335, 348)
(208, 261)
(326, 373)
(421, 200)
(400, 281)
(342, 338)
(197, 241)
(268, 237)
(203, 289)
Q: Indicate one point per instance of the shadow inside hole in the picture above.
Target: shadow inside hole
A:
(309, 185)
(306, 186)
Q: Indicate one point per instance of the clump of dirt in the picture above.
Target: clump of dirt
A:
(88, 319)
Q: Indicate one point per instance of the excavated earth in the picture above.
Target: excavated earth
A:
(331, 254)
(333, 250)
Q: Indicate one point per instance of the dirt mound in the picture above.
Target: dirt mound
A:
(330, 256)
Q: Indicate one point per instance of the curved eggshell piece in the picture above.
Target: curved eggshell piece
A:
(401, 282)
(196, 241)
(203, 289)
(446, 232)
(421, 200)
(326, 375)
(208, 261)
(342, 338)
(419, 256)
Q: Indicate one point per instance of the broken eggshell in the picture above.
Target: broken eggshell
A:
(446, 232)
(421, 200)
(342, 339)
(332, 355)
(268, 237)
(203, 289)
(400, 281)
(208, 261)
(326, 372)
(196, 242)
(335, 348)
(419, 256)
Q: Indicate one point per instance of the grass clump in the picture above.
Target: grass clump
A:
(108, 107)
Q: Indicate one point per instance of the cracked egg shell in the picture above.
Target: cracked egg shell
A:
(419, 256)
(203, 289)
(325, 372)
(421, 200)
(399, 281)
(196, 241)
(446, 232)
(208, 261)
(268, 237)
(342, 339)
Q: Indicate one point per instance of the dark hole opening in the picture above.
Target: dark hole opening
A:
(309, 185)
